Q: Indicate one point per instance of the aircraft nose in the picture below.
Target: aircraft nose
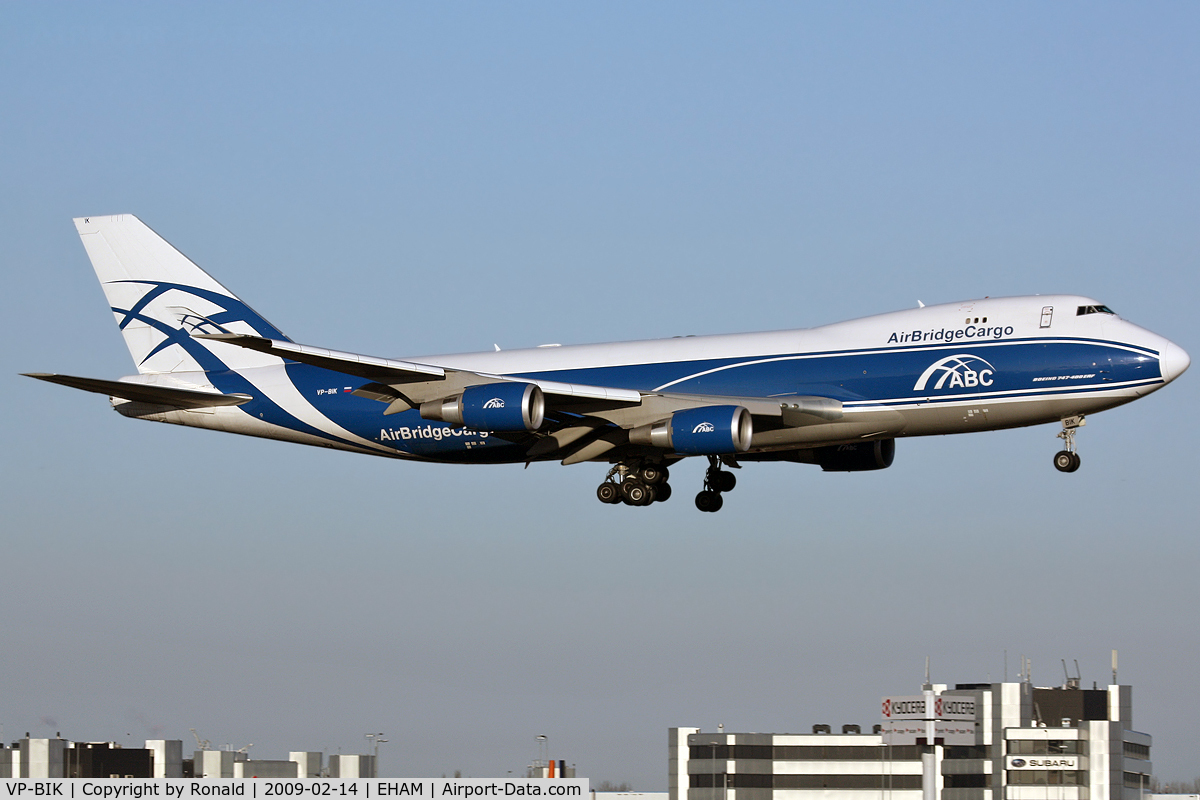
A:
(1173, 361)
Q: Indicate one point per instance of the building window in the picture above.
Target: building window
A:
(1044, 747)
(1046, 777)
(752, 781)
(968, 751)
(967, 781)
(1136, 780)
(724, 752)
(765, 752)
(847, 753)
(1133, 750)
(877, 782)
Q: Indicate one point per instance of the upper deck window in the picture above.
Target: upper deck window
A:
(1094, 310)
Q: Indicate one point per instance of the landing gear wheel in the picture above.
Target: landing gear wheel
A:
(1066, 461)
(724, 481)
(663, 491)
(608, 492)
(652, 474)
(634, 493)
(709, 501)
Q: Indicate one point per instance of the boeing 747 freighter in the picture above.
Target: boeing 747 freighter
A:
(837, 396)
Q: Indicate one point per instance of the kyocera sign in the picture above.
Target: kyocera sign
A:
(929, 707)
(904, 708)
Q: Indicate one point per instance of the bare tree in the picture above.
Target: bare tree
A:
(609, 786)
(1175, 787)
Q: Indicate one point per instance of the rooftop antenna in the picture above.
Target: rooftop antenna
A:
(1072, 682)
(1114, 667)
(203, 745)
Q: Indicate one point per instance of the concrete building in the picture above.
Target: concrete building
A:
(163, 758)
(42, 758)
(10, 761)
(215, 763)
(107, 760)
(346, 766)
(262, 768)
(168, 757)
(1001, 741)
(308, 763)
(59, 758)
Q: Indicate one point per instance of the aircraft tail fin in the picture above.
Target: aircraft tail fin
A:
(160, 298)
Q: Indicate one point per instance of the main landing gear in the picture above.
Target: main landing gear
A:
(640, 483)
(1068, 460)
(716, 481)
(635, 484)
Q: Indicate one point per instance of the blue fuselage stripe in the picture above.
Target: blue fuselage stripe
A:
(1020, 370)
(889, 374)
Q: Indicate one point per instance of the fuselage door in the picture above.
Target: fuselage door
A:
(1047, 314)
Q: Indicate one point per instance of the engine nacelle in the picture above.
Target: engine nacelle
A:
(491, 407)
(707, 431)
(858, 457)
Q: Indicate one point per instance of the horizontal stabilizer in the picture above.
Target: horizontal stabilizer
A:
(144, 393)
(382, 369)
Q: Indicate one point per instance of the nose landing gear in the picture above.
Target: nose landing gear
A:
(716, 482)
(1068, 460)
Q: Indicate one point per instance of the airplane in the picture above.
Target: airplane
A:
(836, 396)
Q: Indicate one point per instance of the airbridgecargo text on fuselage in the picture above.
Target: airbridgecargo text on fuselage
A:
(435, 432)
(951, 334)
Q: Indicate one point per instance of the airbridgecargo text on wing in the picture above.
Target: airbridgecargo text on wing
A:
(435, 432)
(951, 334)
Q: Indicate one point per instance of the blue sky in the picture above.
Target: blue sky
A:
(399, 179)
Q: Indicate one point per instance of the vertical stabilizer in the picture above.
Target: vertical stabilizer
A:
(160, 298)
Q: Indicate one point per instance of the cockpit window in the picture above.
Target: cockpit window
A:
(1094, 310)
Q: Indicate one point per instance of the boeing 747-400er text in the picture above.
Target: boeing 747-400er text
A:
(837, 396)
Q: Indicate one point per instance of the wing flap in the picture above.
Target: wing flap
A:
(146, 393)
(402, 375)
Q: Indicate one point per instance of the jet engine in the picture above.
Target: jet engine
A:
(706, 431)
(858, 457)
(491, 407)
